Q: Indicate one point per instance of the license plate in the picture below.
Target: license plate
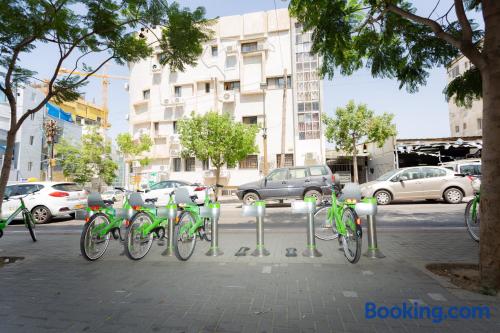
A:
(78, 206)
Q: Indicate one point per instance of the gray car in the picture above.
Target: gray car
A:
(415, 183)
(285, 183)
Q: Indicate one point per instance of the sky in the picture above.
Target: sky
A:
(419, 115)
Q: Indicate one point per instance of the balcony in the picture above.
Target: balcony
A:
(173, 101)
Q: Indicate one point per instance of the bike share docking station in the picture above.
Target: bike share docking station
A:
(368, 207)
(213, 213)
(257, 210)
(170, 212)
(308, 206)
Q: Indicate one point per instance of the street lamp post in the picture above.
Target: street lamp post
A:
(263, 86)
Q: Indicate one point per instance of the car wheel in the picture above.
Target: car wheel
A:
(453, 195)
(250, 198)
(41, 214)
(316, 194)
(383, 197)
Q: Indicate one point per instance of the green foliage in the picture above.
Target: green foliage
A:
(134, 148)
(92, 157)
(356, 33)
(465, 88)
(217, 138)
(355, 124)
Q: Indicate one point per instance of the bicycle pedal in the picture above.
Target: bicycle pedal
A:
(291, 252)
(242, 251)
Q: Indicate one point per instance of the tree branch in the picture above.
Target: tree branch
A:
(464, 22)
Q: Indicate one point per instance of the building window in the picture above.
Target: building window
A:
(207, 87)
(288, 160)
(250, 162)
(174, 127)
(308, 125)
(480, 123)
(278, 82)
(206, 165)
(145, 94)
(249, 120)
(454, 72)
(177, 164)
(457, 129)
(177, 90)
(249, 47)
(32, 138)
(189, 166)
(30, 166)
(464, 126)
(156, 128)
(234, 85)
(99, 121)
(215, 51)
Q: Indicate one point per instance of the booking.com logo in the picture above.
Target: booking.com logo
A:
(417, 311)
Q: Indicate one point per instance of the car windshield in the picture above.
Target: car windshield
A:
(388, 175)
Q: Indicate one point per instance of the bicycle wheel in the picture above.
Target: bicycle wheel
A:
(207, 229)
(30, 224)
(472, 222)
(93, 245)
(136, 244)
(183, 243)
(324, 229)
(351, 242)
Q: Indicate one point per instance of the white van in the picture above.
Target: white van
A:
(470, 167)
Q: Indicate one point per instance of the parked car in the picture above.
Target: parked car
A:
(286, 183)
(49, 199)
(471, 167)
(162, 190)
(113, 195)
(426, 182)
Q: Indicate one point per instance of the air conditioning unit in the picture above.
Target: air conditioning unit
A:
(228, 97)
(178, 100)
(155, 65)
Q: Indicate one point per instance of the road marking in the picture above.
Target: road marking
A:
(367, 272)
(350, 294)
(437, 297)
(267, 269)
(416, 300)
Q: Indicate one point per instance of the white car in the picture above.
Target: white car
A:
(162, 190)
(113, 195)
(47, 199)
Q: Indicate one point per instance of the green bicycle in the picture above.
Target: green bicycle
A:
(101, 221)
(347, 226)
(194, 221)
(472, 211)
(147, 223)
(28, 219)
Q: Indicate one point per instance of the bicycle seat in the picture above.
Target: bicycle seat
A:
(151, 200)
(95, 200)
(350, 191)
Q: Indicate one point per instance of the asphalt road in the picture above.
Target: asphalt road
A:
(407, 216)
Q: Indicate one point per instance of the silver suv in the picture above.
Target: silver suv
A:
(293, 182)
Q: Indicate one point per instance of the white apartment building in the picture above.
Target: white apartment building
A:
(246, 51)
(464, 121)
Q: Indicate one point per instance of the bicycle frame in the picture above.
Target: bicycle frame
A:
(474, 205)
(194, 209)
(110, 212)
(145, 230)
(5, 223)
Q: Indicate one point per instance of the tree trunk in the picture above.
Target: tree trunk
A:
(489, 261)
(217, 178)
(355, 160)
(7, 162)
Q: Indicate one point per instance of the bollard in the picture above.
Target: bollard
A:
(369, 208)
(172, 216)
(257, 209)
(214, 249)
(308, 206)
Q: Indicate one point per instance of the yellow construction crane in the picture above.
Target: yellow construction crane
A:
(105, 82)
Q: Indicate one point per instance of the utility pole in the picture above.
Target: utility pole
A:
(263, 86)
(50, 127)
(283, 120)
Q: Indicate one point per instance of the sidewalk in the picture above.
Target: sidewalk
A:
(54, 289)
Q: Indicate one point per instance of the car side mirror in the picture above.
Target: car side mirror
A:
(403, 178)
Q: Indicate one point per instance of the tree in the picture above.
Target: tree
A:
(355, 124)
(78, 31)
(132, 149)
(395, 42)
(89, 159)
(217, 138)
